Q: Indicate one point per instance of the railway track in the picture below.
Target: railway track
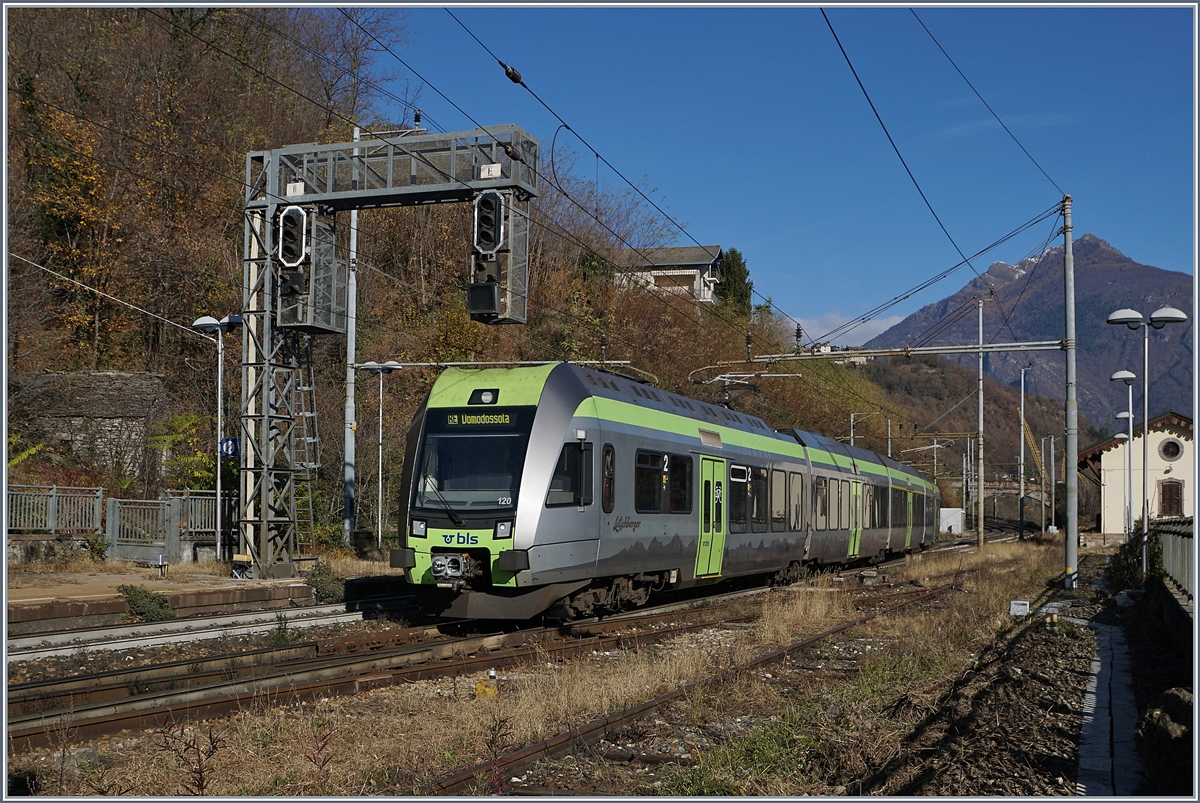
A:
(88, 706)
(591, 733)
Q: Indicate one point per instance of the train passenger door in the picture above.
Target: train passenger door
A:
(908, 523)
(710, 552)
(855, 518)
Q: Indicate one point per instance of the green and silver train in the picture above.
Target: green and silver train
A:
(564, 490)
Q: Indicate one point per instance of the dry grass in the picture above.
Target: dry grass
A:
(400, 739)
(802, 610)
(348, 566)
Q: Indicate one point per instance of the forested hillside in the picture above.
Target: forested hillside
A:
(128, 132)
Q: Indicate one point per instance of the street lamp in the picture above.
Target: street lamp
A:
(1128, 378)
(1134, 320)
(210, 325)
(373, 367)
(1128, 489)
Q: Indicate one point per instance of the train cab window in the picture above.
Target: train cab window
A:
(796, 505)
(608, 480)
(571, 483)
(739, 496)
(758, 500)
(779, 501)
(846, 521)
(679, 483)
(821, 503)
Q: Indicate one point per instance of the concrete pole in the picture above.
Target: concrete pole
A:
(852, 429)
(1053, 484)
(351, 338)
(979, 437)
(1021, 460)
(1042, 449)
(1071, 537)
(889, 437)
(1145, 441)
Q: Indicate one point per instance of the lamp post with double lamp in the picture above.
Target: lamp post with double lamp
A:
(210, 325)
(1134, 320)
(1128, 378)
(373, 367)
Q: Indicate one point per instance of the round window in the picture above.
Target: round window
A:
(1170, 449)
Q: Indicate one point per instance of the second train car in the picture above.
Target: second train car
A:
(567, 490)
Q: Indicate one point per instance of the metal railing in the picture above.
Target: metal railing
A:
(1178, 551)
(144, 529)
(51, 509)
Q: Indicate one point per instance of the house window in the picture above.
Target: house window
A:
(1170, 450)
(1170, 498)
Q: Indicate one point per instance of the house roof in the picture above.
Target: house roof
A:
(1089, 459)
(696, 256)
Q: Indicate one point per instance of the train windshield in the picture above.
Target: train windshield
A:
(471, 459)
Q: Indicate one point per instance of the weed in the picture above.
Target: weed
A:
(97, 546)
(327, 586)
(281, 636)
(195, 758)
(146, 605)
(319, 755)
(499, 738)
(95, 777)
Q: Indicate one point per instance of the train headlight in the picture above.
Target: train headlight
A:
(503, 529)
(418, 528)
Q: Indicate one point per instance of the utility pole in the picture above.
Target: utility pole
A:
(1072, 407)
(1053, 489)
(1021, 461)
(979, 438)
(1042, 446)
(889, 437)
(348, 478)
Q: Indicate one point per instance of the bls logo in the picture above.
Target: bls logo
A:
(460, 540)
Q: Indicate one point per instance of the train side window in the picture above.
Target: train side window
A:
(679, 484)
(796, 506)
(758, 500)
(648, 481)
(571, 483)
(868, 506)
(821, 503)
(846, 520)
(739, 496)
(779, 501)
(608, 471)
(706, 507)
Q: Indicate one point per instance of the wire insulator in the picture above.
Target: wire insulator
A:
(511, 72)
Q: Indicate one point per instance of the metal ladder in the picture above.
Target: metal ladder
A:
(307, 452)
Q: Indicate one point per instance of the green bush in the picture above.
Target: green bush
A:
(326, 585)
(146, 605)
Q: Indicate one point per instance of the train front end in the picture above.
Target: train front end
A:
(464, 542)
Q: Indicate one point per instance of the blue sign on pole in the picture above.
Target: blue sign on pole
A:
(229, 447)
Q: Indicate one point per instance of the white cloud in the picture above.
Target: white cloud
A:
(818, 327)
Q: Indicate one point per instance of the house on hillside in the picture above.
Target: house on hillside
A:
(1172, 466)
(692, 271)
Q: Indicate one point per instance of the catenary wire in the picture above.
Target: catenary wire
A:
(985, 103)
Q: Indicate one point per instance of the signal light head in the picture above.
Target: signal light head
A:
(489, 222)
(293, 243)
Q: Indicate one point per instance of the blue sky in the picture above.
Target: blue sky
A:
(751, 127)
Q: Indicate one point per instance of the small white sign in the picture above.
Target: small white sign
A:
(1018, 607)
(489, 171)
(295, 188)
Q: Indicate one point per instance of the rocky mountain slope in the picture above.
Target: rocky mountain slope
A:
(1028, 306)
